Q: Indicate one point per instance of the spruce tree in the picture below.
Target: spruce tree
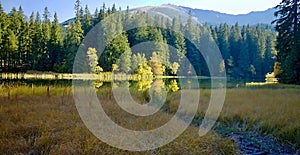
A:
(37, 48)
(56, 41)
(137, 60)
(73, 38)
(287, 26)
(270, 53)
(116, 44)
(45, 62)
(235, 41)
(13, 33)
(31, 31)
(23, 40)
(223, 40)
(87, 20)
(244, 55)
(3, 26)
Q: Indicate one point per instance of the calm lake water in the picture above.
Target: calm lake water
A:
(171, 83)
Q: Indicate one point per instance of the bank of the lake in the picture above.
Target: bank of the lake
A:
(260, 119)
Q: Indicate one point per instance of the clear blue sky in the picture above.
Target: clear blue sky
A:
(65, 8)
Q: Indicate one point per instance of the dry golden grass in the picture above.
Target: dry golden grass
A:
(50, 124)
(277, 111)
(267, 111)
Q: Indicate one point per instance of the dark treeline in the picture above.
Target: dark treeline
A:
(40, 44)
(288, 41)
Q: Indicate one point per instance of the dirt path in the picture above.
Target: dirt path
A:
(251, 143)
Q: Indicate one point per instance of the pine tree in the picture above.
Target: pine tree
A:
(180, 46)
(235, 46)
(73, 38)
(41, 45)
(113, 52)
(96, 16)
(127, 19)
(161, 47)
(55, 48)
(117, 44)
(137, 60)
(190, 28)
(214, 34)
(31, 31)
(251, 40)
(87, 20)
(193, 54)
(13, 33)
(176, 39)
(244, 55)
(23, 40)
(287, 25)
(270, 53)
(37, 42)
(4, 22)
(258, 51)
(45, 62)
(223, 40)
(77, 26)
(124, 61)
(114, 9)
(103, 13)
(139, 34)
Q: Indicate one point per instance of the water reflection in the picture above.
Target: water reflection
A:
(140, 83)
(173, 86)
(98, 84)
(120, 84)
(158, 92)
(156, 86)
(143, 85)
(152, 91)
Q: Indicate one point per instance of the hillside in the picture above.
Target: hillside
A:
(205, 16)
(215, 18)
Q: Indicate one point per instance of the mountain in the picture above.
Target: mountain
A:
(214, 17)
(205, 16)
(209, 16)
(166, 10)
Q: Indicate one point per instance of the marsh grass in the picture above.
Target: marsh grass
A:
(42, 124)
(262, 110)
(32, 120)
(276, 111)
(12, 90)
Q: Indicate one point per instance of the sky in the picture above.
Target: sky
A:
(65, 8)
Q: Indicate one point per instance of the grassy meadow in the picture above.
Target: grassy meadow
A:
(37, 122)
(44, 120)
(262, 110)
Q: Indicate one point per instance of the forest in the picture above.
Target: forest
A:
(39, 44)
(138, 58)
